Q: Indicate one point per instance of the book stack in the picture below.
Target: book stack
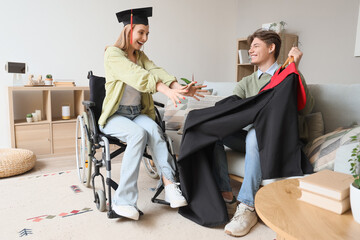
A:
(327, 189)
(64, 84)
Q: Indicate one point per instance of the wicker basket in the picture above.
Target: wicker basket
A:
(15, 161)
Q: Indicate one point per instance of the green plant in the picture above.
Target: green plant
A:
(49, 76)
(186, 81)
(355, 162)
(274, 25)
(29, 115)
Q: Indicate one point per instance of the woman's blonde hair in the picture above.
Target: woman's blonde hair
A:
(123, 41)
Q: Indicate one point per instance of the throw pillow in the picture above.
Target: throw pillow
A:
(174, 117)
(322, 150)
(315, 125)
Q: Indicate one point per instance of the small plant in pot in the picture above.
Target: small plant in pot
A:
(49, 79)
(29, 117)
(355, 186)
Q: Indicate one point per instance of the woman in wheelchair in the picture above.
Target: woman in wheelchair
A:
(128, 111)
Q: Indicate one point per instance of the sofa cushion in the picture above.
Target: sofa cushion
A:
(174, 117)
(322, 151)
(315, 125)
(338, 103)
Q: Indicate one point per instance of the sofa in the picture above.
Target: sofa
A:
(334, 119)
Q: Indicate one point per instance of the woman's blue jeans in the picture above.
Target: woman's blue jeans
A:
(137, 130)
(252, 178)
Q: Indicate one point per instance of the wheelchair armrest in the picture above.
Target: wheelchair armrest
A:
(88, 104)
(159, 104)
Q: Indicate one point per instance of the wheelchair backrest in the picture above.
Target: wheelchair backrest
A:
(97, 93)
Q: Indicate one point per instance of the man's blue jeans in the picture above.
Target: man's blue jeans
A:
(252, 178)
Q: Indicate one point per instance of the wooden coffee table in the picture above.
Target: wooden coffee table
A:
(278, 207)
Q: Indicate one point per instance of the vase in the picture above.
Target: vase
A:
(355, 202)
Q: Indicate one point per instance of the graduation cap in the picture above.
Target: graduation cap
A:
(134, 16)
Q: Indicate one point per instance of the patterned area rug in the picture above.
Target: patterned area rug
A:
(57, 206)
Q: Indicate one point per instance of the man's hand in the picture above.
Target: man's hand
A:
(296, 54)
(194, 91)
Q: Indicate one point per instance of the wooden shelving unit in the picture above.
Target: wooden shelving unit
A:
(52, 135)
(245, 69)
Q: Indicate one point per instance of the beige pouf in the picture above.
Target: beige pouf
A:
(15, 161)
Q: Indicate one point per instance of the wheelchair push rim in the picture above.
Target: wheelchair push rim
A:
(150, 167)
(83, 149)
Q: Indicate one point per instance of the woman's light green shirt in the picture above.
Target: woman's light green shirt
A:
(143, 76)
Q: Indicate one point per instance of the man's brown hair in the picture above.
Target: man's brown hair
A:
(269, 37)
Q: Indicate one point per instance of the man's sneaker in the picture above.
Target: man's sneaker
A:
(174, 196)
(244, 219)
(231, 206)
(126, 211)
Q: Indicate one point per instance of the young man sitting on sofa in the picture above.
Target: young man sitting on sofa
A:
(264, 51)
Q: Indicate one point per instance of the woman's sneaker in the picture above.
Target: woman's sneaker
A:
(244, 219)
(126, 211)
(173, 195)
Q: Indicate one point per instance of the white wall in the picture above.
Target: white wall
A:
(326, 29)
(67, 38)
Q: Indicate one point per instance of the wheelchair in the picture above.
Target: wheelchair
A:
(89, 139)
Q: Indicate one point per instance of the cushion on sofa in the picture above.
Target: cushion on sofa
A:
(322, 151)
(175, 117)
(315, 125)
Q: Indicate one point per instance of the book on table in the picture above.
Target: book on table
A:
(336, 206)
(334, 185)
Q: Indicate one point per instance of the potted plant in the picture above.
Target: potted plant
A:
(355, 186)
(277, 27)
(29, 117)
(49, 79)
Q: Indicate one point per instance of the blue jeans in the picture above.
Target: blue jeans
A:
(137, 130)
(252, 178)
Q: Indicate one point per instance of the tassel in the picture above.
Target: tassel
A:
(131, 31)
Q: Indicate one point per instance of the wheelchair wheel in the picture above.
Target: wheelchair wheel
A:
(83, 149)
(150, 168)
(100, 200)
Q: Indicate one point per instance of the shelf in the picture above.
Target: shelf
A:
(24, 122)
(53, 135)
(59, 120)
(245, 64)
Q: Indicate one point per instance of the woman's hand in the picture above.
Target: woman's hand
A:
(173, 94)
(192, 90)
(296, 54)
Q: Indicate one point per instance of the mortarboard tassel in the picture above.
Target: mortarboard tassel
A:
(131, 25)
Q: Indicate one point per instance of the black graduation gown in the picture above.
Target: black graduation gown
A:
(274, 114)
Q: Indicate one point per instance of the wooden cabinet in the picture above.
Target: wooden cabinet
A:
(51, 135)
(245, 69)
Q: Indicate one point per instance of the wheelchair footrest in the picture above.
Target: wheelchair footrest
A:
(111, 183)
(112, 214)
(160, 201)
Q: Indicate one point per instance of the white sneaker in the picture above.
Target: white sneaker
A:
(243, 220)
(174, 196)
(126, 211)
